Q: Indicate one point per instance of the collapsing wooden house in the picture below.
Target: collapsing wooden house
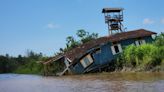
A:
(99, 53)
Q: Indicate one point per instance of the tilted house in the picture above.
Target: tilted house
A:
(98, 53)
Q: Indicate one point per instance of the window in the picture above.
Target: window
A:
(139, 42)
(116, 49)
(86, 61)
(153, 36)
(98, 51)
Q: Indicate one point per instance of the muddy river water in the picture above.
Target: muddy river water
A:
(102, 82)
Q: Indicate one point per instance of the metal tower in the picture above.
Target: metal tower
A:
(114, 19)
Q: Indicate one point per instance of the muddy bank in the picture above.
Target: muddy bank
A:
(101, 82)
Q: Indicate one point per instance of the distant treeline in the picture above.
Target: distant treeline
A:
(22, 64)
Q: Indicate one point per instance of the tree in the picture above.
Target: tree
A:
(3, 64)
(20, 60)
(71, 42)
(81, 33)
(159, 41)
(89, 37)
(86, 36)
(33, 55)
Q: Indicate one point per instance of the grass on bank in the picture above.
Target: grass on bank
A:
(142, 58)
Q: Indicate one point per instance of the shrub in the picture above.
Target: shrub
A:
(144, 57)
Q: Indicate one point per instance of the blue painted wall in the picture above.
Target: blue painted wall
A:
(106, 54)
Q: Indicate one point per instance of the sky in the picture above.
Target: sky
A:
(43, 25)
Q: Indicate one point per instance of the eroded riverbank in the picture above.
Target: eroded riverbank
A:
(101, 82)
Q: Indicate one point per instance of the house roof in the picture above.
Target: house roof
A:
(129, 35)
(55, 58)
(81, 50)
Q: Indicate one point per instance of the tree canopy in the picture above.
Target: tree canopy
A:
(83, 37)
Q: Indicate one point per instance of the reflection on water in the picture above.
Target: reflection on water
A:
(103, 82)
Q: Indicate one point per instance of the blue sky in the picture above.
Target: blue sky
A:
(43, 25)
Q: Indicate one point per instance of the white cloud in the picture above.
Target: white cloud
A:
(162, 20)
(147, 21)
(52, 26)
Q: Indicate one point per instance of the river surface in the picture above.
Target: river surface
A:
(102, 82)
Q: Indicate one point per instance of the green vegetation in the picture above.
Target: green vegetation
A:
(143, 58)
(22, 64)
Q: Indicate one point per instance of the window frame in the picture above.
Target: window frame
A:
(83, 61)
(114, 50)
(153, 36)
(140, 42)
(97, 51)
